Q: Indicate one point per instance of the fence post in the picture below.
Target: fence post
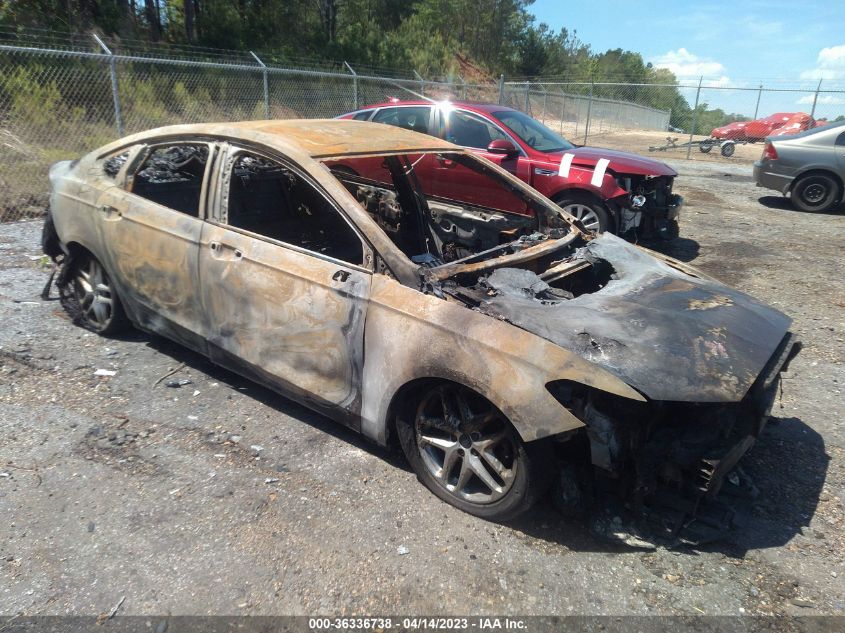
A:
(501, 89)
(118, 116)
(422, 83)
(562, 109)
(266, 85)
(694, 116)
(759, 94)
(527, 108)
(354, 85)
(545, 97)
(589, 112)
(815, 99)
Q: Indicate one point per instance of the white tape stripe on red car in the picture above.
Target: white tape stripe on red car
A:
(565, 164)
(598, 174)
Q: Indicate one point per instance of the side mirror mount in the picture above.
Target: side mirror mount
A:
(503, 147)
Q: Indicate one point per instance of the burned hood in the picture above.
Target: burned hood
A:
(671, 336)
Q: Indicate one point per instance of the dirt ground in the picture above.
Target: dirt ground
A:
(219, 497)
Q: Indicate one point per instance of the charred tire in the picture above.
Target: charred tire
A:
(89, 297)
(728, 149)
(466, 452)
(705, 146)
(670, 230)
(815, 192)
(586, 208)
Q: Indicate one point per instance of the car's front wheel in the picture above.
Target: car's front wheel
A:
(586, 208)
(466, 452)
(815, 192)
(88, 296)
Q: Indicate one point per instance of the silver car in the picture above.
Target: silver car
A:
(808, 167)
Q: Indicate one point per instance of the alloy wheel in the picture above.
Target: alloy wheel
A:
(584, 213)
(466, 445)
(93, 294)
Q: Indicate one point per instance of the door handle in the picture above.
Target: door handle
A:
(341, 276)
(219, 251)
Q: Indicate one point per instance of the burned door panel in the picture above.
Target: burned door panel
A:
(152, 235)
(287, 318)
(284, 284)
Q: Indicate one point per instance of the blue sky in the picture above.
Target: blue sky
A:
(741, 43)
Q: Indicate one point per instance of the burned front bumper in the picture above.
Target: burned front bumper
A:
(669, 465)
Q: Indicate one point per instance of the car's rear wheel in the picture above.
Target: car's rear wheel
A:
(815, 192)
(466, 452)
(586, 208)
(89, 297)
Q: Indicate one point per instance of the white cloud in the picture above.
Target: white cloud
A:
(830, 64)
(823, 100)
(685, 65)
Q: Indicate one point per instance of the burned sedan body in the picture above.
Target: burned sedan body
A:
(498, 347)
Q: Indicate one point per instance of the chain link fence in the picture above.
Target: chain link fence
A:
(581, 110)
(60, 102)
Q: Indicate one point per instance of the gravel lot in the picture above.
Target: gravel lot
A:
(220, 497)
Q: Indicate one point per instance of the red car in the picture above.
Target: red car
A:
(733, 131)
(798, 122)
(606, 189)
(759, 129)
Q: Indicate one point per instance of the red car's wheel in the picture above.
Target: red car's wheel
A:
(586, 208)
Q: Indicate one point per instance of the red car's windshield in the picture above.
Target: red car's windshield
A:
(532, 132)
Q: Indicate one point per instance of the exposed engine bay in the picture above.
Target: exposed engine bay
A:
(428, 229)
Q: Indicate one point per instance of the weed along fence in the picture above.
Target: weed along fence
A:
(58, 103)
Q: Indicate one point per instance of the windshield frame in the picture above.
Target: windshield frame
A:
(536, 200)
(546, 131)
(544, 209)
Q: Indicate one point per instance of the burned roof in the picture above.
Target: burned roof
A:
(317, 138)
(336, 137)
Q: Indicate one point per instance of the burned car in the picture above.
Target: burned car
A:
(499, 349)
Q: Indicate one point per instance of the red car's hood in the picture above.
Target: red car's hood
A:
(620, 162)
